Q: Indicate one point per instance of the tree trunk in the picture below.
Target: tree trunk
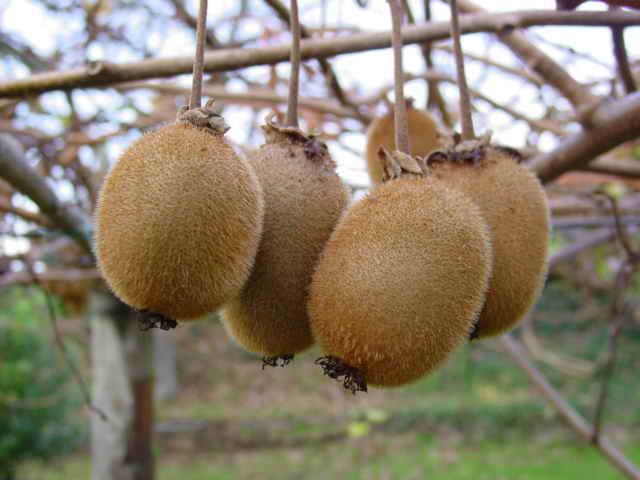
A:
(123, 389)
(166, 374)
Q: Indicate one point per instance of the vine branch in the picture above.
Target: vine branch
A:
(513, 349)
(294, 77)
(198, 61)
(400, 109)
(622, 59)
(16, 171)
(613, 123)
(578, 95)
(102, 74)
(57, 334)
(325, 66)
(463, 89)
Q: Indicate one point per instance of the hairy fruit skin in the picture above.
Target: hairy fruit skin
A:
(178, 222)
(514, 205)
(401, 281)
(423, 138)
(304, 198)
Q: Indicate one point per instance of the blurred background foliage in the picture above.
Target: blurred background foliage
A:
(476, 418)
(40, 415)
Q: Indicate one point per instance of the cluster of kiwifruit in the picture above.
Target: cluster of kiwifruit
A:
(184, 227)
(449, 246)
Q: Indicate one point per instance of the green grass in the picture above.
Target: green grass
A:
(379, 457)
(478, 417)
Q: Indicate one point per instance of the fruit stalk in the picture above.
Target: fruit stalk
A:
(294, 78)
(400, 115)
(198, 61)
(465, 102)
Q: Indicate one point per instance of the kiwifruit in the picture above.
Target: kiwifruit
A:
(304, 198)
(73, 293)
(514, 205)
(423, 138)
(401, 280)
(179, 219)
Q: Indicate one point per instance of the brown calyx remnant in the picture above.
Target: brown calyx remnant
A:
(314, 149)
(335, 368)
(277, 361)
(396, 164)
(474, 332)
(148, 320)
(469, 152)
(205, 117)
(424, 137)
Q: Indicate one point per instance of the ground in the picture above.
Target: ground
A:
(477, 418)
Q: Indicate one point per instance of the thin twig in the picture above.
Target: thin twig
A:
(198, 61)
(6, 207)
(400, 111)
(52, 274)
(516, 71)
(533, 57)
(17, 172)
(585, 242)
(294, 77)
(465, 101)
(182, 14)
(434, 96)
(623, 280)
(581, 221)
(407, 11)
(625, 167)
(620, 52)
(327, 70)
(75, 371)
(573, 418)
(621, 233)
(256, 97)
(614, 122)
(534, 123)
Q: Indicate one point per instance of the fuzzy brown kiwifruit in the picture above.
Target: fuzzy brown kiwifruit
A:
(514, 205)
(423, 138)
(304, 197)
(73, 293)
(179, 219)
(401, 280)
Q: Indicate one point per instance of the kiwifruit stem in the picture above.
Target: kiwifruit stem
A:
(400, 113)
(198, 61)
(294, 77)
(465, 102)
